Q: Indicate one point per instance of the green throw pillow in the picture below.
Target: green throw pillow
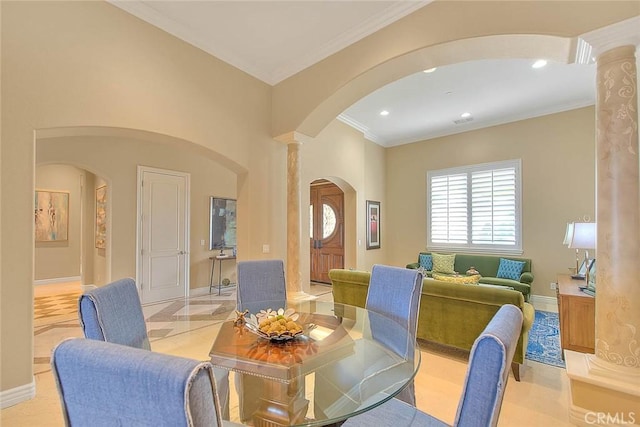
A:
(443, 263)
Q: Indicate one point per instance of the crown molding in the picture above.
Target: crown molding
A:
(145, 11)
(621, 33)
(347, 38)
(361, 128)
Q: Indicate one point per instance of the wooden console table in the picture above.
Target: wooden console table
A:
(577, 314)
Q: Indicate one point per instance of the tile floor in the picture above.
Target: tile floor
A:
(187, 328)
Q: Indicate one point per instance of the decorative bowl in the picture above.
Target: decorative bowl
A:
(278, 325)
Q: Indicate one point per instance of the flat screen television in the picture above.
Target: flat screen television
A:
(222, 223)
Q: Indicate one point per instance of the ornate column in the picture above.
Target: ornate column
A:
(604, 386)
(618, 211)
(294, 285)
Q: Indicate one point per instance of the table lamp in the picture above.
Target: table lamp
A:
(583, 237)
(568, 234)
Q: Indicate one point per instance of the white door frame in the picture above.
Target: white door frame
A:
(139, 226)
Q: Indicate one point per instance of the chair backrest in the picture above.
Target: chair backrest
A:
(395, 293)
(261, 282)
(113, 313)
(488, 370)
(106, 384)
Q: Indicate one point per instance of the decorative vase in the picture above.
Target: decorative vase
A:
(472, 271)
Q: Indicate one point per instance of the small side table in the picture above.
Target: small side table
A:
(213, 259)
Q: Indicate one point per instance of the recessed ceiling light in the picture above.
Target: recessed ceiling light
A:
(384, 113)
(465, 115)
(539, 63)
(430, 70)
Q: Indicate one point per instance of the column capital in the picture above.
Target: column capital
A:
(293, 137)
(594, 43)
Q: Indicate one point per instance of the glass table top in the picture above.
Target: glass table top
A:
(351, 361)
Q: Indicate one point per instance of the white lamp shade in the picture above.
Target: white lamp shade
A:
(568, 234)
(583, 236)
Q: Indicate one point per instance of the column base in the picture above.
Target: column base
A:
(600, 392)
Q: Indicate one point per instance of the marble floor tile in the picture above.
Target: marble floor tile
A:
(178, 328)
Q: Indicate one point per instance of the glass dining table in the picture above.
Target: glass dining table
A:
(347, 361)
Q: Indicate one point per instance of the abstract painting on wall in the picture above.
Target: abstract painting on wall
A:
(101, 217)
(52, 216)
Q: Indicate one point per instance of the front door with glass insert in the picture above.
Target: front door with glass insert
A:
(326, 213)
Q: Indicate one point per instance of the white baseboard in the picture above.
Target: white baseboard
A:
(17, 395)
(56, 280)
(543, 303)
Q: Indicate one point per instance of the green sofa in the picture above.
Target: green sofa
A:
(451, 314)
(487, 266)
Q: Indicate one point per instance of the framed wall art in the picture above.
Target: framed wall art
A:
(222, 223)
(373, 225)
(51, 216)
(101, 217)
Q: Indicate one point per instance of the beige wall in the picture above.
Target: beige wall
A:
(558, 183)
(70, 65)
(88, 65)
(60, 259)
(342, 155)
(117, 160)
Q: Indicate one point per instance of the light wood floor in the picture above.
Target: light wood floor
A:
(540, 399)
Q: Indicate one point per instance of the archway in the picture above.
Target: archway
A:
(114, 153)
(488, 47)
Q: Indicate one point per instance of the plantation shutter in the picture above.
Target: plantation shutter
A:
(493, 207)
(449, 209)
(475, 208)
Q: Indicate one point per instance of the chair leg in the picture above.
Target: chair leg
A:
(515, 368)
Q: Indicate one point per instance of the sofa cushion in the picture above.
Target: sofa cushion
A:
(426, 262)
(510, 269)
(513, 284)
(443, 263)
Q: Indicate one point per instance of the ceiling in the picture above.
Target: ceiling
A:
(273, 40)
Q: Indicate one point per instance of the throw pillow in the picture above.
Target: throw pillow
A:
(463, 280)
(443, 263)
(426, 262)
(510, 269)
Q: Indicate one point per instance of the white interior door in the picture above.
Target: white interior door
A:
(163, 234)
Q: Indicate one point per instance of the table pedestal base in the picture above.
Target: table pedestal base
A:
(282, 404)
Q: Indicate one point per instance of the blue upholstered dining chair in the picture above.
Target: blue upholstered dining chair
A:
(261, 285)
(393, 294)
(261, 282)
(106, 384)
(113, 313)
(484, 385)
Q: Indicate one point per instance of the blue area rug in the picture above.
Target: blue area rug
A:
(544, 340)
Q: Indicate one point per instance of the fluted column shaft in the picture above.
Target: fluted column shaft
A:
(618, 210)
(293, 218)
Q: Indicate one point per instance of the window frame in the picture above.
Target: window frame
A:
(516, 248)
